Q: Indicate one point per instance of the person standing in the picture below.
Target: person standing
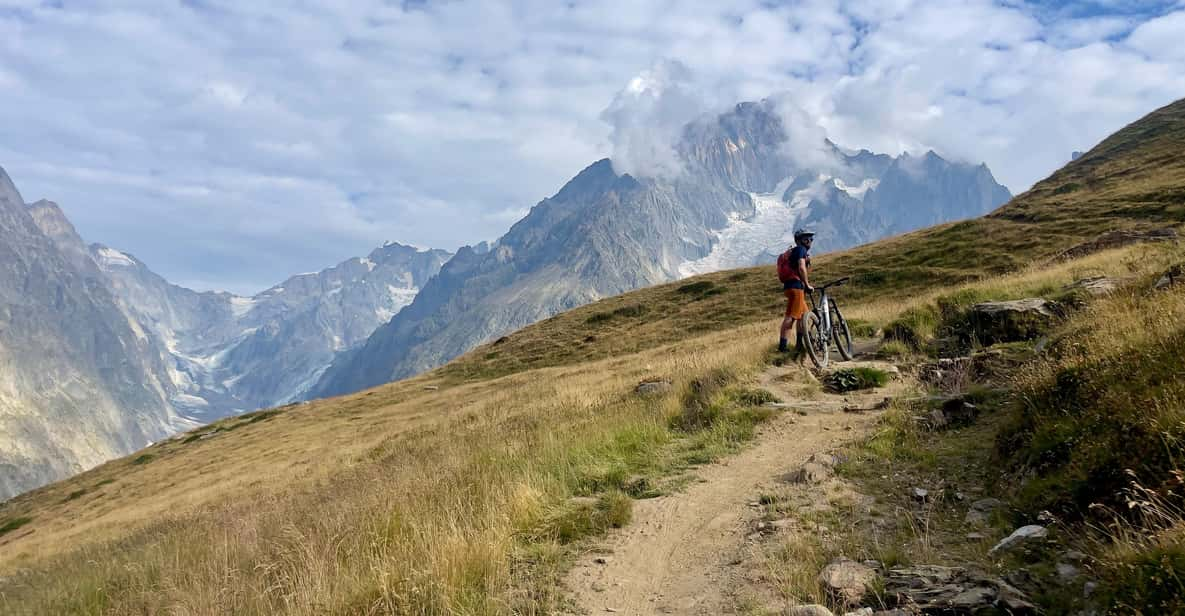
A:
(794, 268)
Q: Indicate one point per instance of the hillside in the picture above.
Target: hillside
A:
(1133, 180)
(736, 202)
(453, 492)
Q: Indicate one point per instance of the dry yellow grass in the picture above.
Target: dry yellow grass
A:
(397, 499)
(404, 499)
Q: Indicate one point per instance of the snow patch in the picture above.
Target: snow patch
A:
(370, 265)
(769, 230)
(240, 306)
(400, 297)
(114, 258)
(859, 190)
(190, 401)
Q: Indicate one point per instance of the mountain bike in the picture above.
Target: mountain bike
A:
(825, 326)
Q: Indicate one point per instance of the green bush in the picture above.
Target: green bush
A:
(851, 379)
(752, 396)
(914, 328)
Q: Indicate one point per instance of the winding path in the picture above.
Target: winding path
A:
(680, 555)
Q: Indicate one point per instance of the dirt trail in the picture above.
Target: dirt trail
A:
(680, 553)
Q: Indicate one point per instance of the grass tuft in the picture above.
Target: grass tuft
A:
(14, 523)
(852, 379)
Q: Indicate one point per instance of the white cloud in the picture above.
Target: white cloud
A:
(647, 117)
(243, 141)
(1161, 38)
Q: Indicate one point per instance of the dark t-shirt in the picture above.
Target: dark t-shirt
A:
(798, 253)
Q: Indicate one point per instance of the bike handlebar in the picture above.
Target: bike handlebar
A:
(834, 283)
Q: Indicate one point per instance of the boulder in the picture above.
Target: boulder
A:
(811, 472)
(1097, 286)
(1175, 275)
(1022, 319)
(954, 412)
(1117, 239)
(987, 505)
(932, 589)
(959, 412)
(981, 511)
(1019, 536)
(825, 459)
(809, 610)
(1067, 572)
(864, 611)
(847, 580)
(652, 388)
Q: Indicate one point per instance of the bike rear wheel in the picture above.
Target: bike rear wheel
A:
(841, 334)
(816, 344)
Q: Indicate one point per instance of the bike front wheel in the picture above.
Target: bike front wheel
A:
(841, 334)
(814, 340)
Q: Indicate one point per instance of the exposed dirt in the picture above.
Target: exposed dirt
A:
(683, 553)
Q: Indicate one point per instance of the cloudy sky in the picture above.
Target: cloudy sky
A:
(230, 143)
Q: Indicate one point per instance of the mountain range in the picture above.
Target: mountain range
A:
(99, 356)
(736, 203)
(103, 356)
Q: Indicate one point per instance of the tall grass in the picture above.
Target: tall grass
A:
(468, 516)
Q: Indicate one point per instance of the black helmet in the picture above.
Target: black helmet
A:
(803, 234)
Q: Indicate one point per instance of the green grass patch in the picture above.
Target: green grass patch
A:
(852, 379)
(1087, 424)
(893, 349)
(143, 458)
(861, 329)
(582, 518)
(631, 311)
(14, 523)
(696, 288)
(914, 328)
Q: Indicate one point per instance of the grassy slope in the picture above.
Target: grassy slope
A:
(454, 474)
(1135, 179)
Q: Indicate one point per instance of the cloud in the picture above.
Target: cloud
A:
(239, 141)
(648, 116)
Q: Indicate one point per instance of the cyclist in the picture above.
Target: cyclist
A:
(794, 267)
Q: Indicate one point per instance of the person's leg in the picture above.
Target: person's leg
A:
(787, 323)
(784, 333)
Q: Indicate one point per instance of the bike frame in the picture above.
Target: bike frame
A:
(824, 315)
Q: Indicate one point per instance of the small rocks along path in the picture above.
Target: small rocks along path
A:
(683, 553)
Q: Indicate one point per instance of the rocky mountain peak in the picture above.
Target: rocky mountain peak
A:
(53, 222)
(9, 196)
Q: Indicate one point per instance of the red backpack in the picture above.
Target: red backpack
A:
(786, 271)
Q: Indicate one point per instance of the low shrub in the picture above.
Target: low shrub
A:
(914, 327)
(851, 379)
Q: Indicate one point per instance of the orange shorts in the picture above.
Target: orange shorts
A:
(795, 303)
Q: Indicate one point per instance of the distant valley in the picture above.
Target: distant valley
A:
(101, 356)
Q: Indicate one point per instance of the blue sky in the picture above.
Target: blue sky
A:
(229, 144)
